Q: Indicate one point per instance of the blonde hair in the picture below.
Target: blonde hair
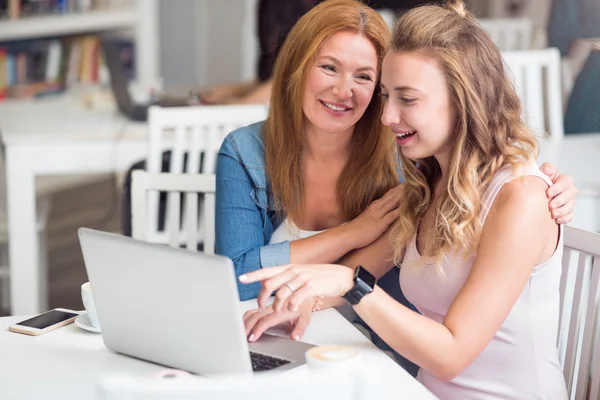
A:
(488, 134)
(371, 167)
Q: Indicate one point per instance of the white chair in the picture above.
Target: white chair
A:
(538, 11)
(195, 133)
(537, 79)
(509, 33)
(184, 225)
(579, 324)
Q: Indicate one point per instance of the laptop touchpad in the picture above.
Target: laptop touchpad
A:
(280, 347)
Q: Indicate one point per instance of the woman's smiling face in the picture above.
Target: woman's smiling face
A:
(418, 106)
(340, 83)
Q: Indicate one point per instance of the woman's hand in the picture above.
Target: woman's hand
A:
(257, 322)
(376, 218)
(562, 194)
(295, 283)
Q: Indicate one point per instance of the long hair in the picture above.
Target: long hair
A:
(488, 134)
(371, 167)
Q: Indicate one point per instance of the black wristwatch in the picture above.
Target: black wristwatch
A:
(364, 282)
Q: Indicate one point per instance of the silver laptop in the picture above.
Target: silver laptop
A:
(176, 308)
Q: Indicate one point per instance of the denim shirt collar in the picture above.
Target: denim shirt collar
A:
(250, 150)
(249, 146)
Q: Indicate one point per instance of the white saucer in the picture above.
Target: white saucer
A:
(83, 321)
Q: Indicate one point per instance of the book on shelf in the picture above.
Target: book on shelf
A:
(15, 9)
(33, 68)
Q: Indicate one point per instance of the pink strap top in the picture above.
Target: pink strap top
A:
(521, 361)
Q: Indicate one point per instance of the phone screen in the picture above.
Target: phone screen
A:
(47, 319)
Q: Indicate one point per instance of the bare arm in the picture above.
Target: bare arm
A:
(227, 93)
(259, 93)
(331, 245)
(376, 258)
(518, 234)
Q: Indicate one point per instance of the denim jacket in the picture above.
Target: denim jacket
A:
(245, 213)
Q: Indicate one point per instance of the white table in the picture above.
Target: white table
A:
(67, 363)
(51, 137)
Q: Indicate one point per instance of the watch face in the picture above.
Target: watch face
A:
(364, 282)
(365, 276)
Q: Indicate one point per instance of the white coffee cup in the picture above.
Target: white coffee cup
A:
(89, 305)
(332, 357)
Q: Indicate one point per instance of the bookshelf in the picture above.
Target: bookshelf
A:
(68, 24)
(139, 17)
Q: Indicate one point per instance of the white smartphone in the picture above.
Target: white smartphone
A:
(45, 322)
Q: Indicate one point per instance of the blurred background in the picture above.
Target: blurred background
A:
(56, 100)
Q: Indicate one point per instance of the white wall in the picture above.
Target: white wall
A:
(204, 42)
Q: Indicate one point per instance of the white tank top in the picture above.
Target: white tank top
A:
(521, 361)
(288, 230)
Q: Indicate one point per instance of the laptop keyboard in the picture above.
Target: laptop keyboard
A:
(262, 362)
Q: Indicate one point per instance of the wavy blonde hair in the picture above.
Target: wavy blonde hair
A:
(488, 134)
(371, 168)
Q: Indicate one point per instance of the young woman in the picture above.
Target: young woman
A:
(480, 251)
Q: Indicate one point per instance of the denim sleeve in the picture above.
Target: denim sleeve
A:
(239, 223)
(399, 167)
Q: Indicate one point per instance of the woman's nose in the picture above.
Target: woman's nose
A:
(390, 115)
(343, 90)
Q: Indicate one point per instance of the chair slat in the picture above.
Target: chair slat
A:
(191, 220)
(173, 209)
(574, 326)
(212, 142)
(172, 223)
(195, 149)
(139, 205)
(157, 126)
(535, 100)
(178, 150)
(554, 96)
(589, 330)
(519, 82)
(189, 233)
(209, 223)
(564, 277)
(595, 374)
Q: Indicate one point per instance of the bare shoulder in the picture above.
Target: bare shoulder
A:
(521, 212)
(523, 201)
(524, 194)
